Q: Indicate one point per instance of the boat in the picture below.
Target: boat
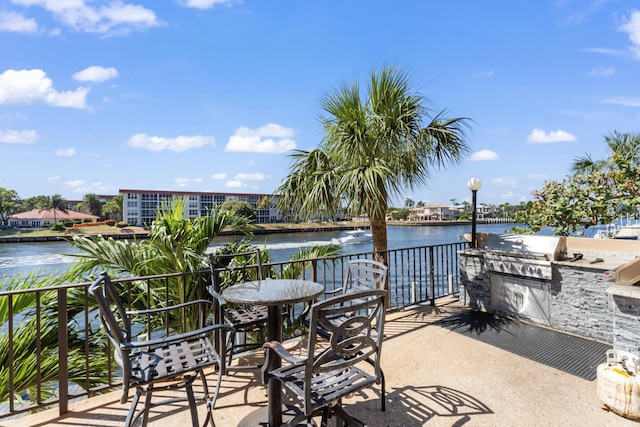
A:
(612, 231)
(353, 236)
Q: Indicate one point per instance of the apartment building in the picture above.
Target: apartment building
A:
(139, 207)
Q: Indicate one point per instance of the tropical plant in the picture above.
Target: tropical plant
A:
(374, 146)
(9, 204)
(90, 204)
(34, 340)
(239, 208)
(623, 146)
(112, 209)
(584, 200)
(56, 203)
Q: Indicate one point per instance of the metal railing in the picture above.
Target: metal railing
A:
(47, 365)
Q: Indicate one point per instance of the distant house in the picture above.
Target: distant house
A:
(45, 218)
(433, 213)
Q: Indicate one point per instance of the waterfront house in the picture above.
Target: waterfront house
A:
(433, 213)
(45, 218)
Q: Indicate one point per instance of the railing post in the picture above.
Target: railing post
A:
(63, 353)
(432, 277)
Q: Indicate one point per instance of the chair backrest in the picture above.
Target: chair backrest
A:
(355, 325)
(365, 274)
(111, 311)
(224, 262)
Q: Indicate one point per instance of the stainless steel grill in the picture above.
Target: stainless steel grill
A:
(524, 255)
(520, 272)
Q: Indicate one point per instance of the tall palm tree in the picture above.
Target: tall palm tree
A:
(375, 145)
(623, 146)
(57, 203)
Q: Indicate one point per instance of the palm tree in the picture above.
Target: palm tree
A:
(623, 146)
(373, 148)
(57, 203)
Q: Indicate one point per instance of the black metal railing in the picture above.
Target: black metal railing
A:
(54, 351)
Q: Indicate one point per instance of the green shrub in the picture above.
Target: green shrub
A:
(58, 226)
(110, 222)
(122, 224)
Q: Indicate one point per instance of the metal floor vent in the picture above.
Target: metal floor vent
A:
(571, 354)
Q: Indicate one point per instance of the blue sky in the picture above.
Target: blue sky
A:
(211, 95)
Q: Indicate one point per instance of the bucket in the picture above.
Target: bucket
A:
(617, 383)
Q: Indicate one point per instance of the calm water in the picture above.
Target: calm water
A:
(54, 256)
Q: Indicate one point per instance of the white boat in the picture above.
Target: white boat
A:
(353, 236)
(612, 231)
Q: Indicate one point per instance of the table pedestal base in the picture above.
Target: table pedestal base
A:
(260, 417)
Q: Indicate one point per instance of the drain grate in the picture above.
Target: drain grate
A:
(575, 355)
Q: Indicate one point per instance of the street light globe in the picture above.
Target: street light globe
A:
(474, 184)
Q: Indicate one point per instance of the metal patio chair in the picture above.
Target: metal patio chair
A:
(348, 363)
(362, 274)
(250, 320)
(167, 362)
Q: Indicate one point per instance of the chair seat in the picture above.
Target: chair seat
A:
(327, 387)
(247, 317)
(172, 360)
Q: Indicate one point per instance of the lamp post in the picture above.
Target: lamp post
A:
(474, 185)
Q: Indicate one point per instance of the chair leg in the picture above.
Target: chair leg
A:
(211, 400)
(383, 398)
(132, 409)
(147, 407)
(192, 404)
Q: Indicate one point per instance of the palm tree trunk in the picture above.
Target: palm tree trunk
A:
(379, 235)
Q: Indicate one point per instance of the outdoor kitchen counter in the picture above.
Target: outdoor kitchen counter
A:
(575, 297)
(607, 264)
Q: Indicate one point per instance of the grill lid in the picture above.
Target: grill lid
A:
(551, 248)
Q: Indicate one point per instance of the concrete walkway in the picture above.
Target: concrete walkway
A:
(435, 377)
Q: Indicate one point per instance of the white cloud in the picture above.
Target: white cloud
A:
(75, 184)
(96, 74)
(235, 184)
(28, 86)
(604, 51)
(81, 187)
(205, 4)
(484, 74)
(632, 28)
(181, 182)
(510, 182)
(66, 152)
(53, 178)
(179, 143)
(625, 100)
(271, 138)
(219, 176)
(482, 155)
(602, 71)
(251, 176)
(537, 176)
(18, 136)
(539, 136)
(14, 22)
(112, 17)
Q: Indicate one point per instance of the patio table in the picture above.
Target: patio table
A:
(274, 293)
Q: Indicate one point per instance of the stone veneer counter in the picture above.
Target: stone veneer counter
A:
(582, 293)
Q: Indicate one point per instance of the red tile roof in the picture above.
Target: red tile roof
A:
(48, 214)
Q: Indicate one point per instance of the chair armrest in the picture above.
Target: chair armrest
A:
(168, 308)
(275, 349)
(130, 345)
(216, 295)
(334, 291)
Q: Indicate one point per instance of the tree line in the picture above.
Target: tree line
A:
(11, 204)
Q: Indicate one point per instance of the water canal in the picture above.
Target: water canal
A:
(47, 257)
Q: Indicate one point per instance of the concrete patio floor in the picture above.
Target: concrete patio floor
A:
(435, 377)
